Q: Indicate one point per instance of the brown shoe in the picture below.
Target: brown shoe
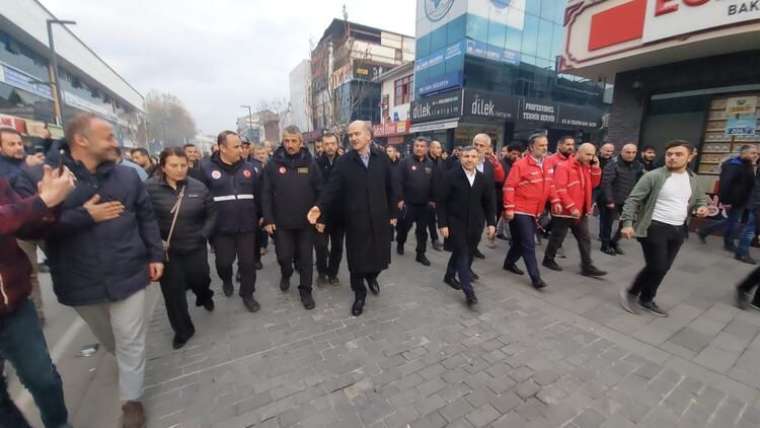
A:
(134, 415)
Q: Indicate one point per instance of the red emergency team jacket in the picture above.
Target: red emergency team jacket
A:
(528, 187)
(555, 159)
(574, 183)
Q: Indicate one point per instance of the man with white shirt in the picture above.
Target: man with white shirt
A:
(465, 203)
(660, 205)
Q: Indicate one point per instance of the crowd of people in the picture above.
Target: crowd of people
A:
(112, 222)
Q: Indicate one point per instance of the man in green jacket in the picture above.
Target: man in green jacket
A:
(656, 213)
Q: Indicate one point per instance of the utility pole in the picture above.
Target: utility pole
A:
(53, 70)
(250, 120)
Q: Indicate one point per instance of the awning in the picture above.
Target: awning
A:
(434, 126)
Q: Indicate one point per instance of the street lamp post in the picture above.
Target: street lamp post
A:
(54, 79)
(250, 119)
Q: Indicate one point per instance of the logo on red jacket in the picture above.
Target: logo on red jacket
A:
(216, 175)
(283, 170)
(246, 173)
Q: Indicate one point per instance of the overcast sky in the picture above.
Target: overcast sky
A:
(216, 55)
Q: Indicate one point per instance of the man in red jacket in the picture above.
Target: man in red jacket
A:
(574, 181)
(526, 191)
(21, 340)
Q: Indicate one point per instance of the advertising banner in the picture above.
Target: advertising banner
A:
(508, 12)
(741, 116)
(441, 106)
(669, 18)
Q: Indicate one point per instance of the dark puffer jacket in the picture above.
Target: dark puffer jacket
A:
(290, 187)
(618, 179)
(737, 178)
(197, 214)
(90, 262)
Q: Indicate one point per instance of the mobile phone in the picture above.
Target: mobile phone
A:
(60, 161)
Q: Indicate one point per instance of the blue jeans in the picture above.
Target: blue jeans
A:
(23, 345)
(733, 216)
(746, 235)
(523, 230)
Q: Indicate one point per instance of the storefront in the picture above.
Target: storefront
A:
(682, 70)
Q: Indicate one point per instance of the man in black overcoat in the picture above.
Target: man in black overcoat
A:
(361, 186)
(466, 202)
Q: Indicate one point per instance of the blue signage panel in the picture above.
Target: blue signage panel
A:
(24, 81)
(494, 53)
(442, 82)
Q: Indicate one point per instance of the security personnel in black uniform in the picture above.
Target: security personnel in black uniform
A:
(290, 187)
(329, 245)
(416, 175)
(235, 187)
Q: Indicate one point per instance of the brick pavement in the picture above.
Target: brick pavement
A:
(418, 357)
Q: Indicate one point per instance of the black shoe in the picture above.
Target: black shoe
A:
(551, 264)
(333, 280)
(452, 282)
(478, 255)
(609, 250)
(514, 269)
(237, 276)
(421, 259)
(474, 276)
(592, 271)
(618, 250)
(471, 299)
(628, 301)
(251, 304)
(742, 299)
(258, 265)
(307, 299)
(653, 309)
(539, 285)
(322, 280)
(358, 307)
(400, 249)
(702, 238)
(437, 246)
(208, 304)
(178, 342)
(374, 287)
(228, 289)
(746, 259)
(284, 284)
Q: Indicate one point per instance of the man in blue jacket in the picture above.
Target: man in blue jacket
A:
(105, 250)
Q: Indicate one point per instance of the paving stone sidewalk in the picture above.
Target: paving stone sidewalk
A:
(569, 357)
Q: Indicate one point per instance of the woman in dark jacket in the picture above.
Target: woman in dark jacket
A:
(172, 191)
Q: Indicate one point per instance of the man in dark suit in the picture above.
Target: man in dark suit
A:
(465, 203)
(362, 188)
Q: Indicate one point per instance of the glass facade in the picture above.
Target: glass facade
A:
(509, 50)
(21, 96)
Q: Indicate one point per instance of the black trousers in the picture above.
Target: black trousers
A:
(606, 222)
(358, 285)
(433, 225)
(460, 263)
(296, 245)
(187, 271)
(751, 282)
(240, 245)
(329, 247)
(660, 249)
(579, 227)
(419, 215)
(262, 240)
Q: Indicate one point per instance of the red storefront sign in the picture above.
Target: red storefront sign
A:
(13, 122)
(391, 128)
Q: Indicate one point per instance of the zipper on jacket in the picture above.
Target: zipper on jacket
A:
(6, 300)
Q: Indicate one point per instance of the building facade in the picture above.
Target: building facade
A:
(682, 70)
(344, 67)
(396, 96)
(298, 109)
(491, 66)
(88, 84)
